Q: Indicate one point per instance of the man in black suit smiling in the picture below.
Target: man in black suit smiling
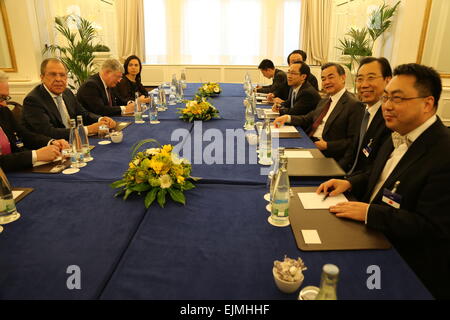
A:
(406, 192)
(49, 107)
(20, 148)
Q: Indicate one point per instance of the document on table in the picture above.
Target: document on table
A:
(298, 154)
(284, 129)
(41, 163)
(269, 113)
(313, 200)
(16, 194)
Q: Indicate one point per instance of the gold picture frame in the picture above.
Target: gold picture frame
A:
(423, 36)
(12, 56)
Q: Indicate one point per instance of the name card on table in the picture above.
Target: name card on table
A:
(287, 132)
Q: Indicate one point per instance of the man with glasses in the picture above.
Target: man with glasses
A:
(405, 193)
(96, 95)
(372, 77)
(302, 97)
(20, 148)
(49, 107)
(332, 124)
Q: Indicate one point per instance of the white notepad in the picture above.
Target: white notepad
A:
(313, 200)
(298, 154)
(311, 237)
(284, 129)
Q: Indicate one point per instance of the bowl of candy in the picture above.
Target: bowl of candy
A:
(288, 274)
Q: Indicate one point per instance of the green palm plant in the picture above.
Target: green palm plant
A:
(78, 54)
(380, 20)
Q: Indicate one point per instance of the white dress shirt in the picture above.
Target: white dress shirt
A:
(334, 100)
(372, 111)
(107, 95)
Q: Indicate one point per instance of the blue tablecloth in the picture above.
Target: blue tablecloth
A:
(219, 246)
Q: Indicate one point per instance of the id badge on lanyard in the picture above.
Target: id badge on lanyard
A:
(392, 198)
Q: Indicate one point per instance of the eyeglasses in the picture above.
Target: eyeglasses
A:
(369, 79)
(5, 98)
(397, 99)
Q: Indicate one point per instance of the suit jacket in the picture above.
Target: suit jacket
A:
(41, 115)
(19, 158)
(279, 86)
(339, 131)
(313, 81)
(376, 135)
(306, 100)
(92, 96)
(420, 229)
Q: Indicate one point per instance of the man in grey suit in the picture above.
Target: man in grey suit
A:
(332, 124)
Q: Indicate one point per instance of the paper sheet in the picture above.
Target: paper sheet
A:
(313, 200)
(269, 112)
(16, 194)
(41, 163)
(284, 129)
(298, 154)
(311, 237)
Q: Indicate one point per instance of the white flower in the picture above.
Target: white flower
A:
(166, 181)
(152, 151)
(191, 104)
(205, 87)
(176, 160)
(216, 89)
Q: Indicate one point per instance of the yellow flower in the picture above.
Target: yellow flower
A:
(157, 166)
(180, 179)
(166, 181)
(168, 148)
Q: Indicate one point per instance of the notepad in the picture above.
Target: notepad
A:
(284, 129)
(270, 113)
(315, 201)
(298, 154)
(311, 237)
(41, 163)
(16, 194)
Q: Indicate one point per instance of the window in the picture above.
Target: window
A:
(220, 32)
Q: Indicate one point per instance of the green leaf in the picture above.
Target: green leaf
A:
(151, 196)
(127, 194)
(188, 185)
(177, 195)
(118, 184)
(162, 197)
(141, 187)
(119, 193)
(135, 148)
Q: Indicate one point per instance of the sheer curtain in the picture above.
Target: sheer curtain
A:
(130, 27)
(315, 28)
(220, 32)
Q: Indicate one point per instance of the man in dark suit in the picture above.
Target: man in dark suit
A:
(96, 96)
(332, 124)
(49, 106)
(300, 56)
(372, 77)
(16, 142)
(279, 87)
(302, 96)
(406, 194)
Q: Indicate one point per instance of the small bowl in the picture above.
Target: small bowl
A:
(287, 286)
(116, 137)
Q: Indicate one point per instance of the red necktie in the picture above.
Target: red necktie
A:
(319, 119)
(4, 143)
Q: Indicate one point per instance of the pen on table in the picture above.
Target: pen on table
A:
(326, 196)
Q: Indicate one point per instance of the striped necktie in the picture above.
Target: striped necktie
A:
(62, 111)
(362, 133)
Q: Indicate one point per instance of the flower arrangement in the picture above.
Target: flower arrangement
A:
(198, 109)
(209, 89)
(156, 172)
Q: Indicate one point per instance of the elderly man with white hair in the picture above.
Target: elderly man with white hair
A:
(96, 95)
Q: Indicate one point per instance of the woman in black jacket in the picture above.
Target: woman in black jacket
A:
(131, 82)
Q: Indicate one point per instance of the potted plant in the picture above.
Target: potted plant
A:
(78, 53)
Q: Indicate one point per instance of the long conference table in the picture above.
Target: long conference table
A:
(218, 246)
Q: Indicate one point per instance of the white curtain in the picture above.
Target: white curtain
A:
(131, 31)
(221, 32)
(315, 28)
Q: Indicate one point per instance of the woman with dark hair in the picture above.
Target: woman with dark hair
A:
(131, 82)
